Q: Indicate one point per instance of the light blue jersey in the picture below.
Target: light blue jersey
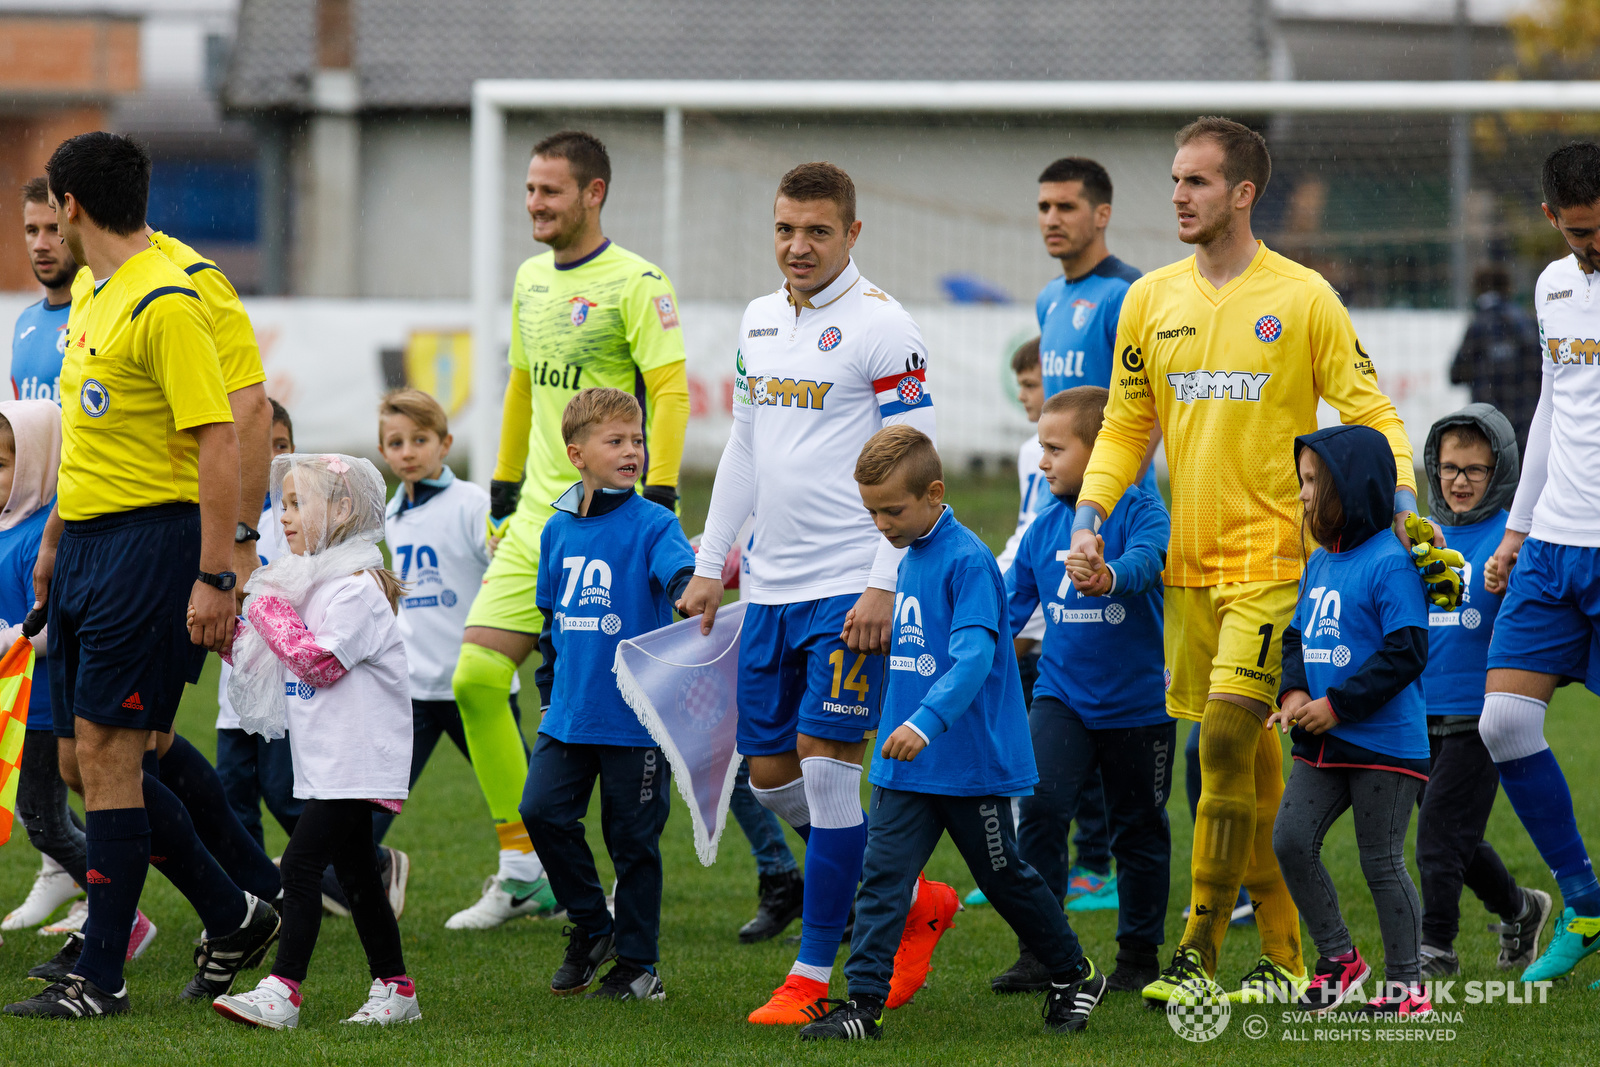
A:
(1078, 332)
(1078, 326)
(38, 345)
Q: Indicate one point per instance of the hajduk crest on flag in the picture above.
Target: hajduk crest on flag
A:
(683, 686)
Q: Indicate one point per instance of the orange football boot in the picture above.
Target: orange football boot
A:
(797, 1001)
(932, 913)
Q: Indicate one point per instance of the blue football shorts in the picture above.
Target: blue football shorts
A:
(120, 652)
(1550, 619)
(797, 677)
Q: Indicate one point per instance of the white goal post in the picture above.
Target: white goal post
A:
(492, 99)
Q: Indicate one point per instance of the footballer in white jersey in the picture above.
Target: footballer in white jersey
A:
(822, 364)
(1548, 628)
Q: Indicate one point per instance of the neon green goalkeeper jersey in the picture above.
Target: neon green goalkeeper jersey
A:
(602, 321)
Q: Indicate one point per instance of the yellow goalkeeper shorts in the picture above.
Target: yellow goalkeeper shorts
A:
(1225, 639)
(505, 600)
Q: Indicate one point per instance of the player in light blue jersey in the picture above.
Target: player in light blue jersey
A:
(1078, 311)
(39, 341)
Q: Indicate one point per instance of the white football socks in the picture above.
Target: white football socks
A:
(520, 866)
(787, 802)
(1512, 726)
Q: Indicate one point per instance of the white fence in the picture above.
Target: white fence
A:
(328, 361)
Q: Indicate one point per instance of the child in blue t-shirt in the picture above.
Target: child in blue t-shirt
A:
(611, 565)
(1352, 666)
(957, 747)
(30, 448)
(1472, 463)
(1090, 726)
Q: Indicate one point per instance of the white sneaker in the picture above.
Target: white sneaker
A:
(399, 872)
(502, 901)
(70, 923)
(270, 1004)
(385, 1006)
(52, 888)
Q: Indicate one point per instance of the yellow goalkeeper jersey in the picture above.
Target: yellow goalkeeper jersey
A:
(1232, 376)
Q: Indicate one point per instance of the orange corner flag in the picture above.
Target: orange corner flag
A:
(16, 686)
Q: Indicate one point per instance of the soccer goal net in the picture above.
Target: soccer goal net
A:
(1408, 197)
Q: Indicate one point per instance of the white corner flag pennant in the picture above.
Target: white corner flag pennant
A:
(683, 687)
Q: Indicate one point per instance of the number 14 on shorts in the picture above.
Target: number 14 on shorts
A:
(852, 681)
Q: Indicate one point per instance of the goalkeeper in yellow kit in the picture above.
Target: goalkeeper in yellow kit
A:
(586, 313)
(1229, 352)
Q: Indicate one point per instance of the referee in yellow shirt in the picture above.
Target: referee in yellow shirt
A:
(139, 536)
(1228, 352)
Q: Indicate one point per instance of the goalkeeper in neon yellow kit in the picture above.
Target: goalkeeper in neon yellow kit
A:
(587, 313)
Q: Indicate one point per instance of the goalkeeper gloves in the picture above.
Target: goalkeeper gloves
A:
(1440, 567)
(503, 498)
(665, 495)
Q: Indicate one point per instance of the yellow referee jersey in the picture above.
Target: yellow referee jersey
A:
(230, 325)
(140, 370)
(1232, 376)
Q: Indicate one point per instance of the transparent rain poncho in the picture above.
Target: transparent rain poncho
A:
(337, 505)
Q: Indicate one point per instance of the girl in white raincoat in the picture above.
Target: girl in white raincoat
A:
(320, 654)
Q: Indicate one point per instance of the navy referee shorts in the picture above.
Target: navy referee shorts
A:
(120, 652)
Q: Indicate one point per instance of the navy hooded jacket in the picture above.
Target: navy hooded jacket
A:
(1359, 635)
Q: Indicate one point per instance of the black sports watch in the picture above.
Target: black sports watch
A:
(224, 581)
(242, 533)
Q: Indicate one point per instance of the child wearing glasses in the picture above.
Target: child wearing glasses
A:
(1472, 464)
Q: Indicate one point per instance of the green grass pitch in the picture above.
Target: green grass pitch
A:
(485, 996)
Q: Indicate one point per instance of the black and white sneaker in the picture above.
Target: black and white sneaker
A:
(1067, 1007)
(585, 956)
(1027, 975)
(628, 981)
(73, 998)
(61, 964)
(1519, 940)
(220, 959)
(847, 1020)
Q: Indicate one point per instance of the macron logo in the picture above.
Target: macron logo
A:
(1216, 385)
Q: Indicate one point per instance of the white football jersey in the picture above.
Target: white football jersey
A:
(1558, 499)
(270, 547)
(809, 390)
(439, 550)
(1035, 493)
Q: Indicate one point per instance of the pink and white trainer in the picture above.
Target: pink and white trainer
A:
(271, 1004)
(1400, 1000)
(1335, 982)
(139, 938)
(388, 1004)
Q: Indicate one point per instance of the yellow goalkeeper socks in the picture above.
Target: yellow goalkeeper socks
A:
(513, 837)
(1225, 824)
(1277, 918)
(482, 685)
